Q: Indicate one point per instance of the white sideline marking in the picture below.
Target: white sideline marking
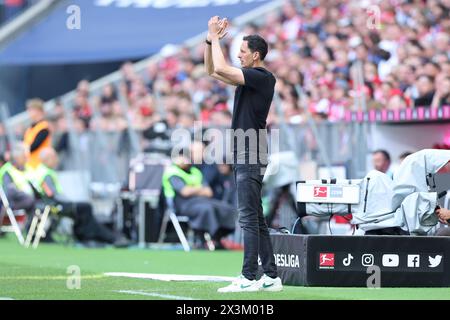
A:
(170, 277)
(93, 276)
(158, 295)
(6, 298)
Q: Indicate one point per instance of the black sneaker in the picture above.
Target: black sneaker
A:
(218, 245)
(47, 239)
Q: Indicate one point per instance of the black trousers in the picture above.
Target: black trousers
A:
(251, 219)
(394, 231)
(216, 217)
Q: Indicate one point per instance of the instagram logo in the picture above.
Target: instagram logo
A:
(367, 260)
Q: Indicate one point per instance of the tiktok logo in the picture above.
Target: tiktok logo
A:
(347, 261)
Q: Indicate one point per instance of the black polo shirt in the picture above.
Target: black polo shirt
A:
(251, 106)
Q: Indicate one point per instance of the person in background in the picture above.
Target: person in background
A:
(381, 160)
(37, 137)
(223, 187)
(442, 94)
(14, 181)
(444, 217)
(404, 155)
(18, 189)
(254, 91)
(426, 91)
(401, 158)
(184, 184)
(209, 171)
(86, 227)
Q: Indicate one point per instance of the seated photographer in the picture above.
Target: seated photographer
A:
(218, 176)
(16, 185)
(192, 197)
(86, 227)
(14, 181)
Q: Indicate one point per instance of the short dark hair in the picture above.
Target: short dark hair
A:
(404, 155)
(384, 153)
(257, 43)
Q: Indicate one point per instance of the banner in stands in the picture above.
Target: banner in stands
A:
(412, 115)
(81, 31)
(343, 261)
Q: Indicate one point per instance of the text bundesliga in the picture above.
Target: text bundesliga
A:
(286, 260)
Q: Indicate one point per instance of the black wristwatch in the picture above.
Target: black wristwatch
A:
(208, 42)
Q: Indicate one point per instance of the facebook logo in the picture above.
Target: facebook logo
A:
(413, 261)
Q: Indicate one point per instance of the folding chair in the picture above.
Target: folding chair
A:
(40, 219)
(14, 226)
(37, 227)
(170, 215)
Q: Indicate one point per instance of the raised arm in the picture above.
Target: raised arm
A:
(208, 54)
(208, 58)
(220, 69)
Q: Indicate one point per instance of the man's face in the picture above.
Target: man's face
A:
(424, 85)
(21, 159)
(445, 86)
(224, 168)
(182, 161)
(380, 163)
(52, 161)
(246, 57)
(197, 150)
(34, 114)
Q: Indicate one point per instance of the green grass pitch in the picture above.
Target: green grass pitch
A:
(42, 274)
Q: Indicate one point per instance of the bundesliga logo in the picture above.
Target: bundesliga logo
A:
(320, 192)
(326, 261)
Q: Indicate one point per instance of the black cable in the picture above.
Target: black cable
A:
(367, 192)
(329, 224)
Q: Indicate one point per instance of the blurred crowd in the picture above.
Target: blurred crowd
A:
(327, 55)
(403, 49)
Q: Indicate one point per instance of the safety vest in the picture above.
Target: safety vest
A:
(38, 175)
(193, 178)
(30, 136)
(18, 177)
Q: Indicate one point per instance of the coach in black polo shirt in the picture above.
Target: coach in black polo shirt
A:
(254, 92)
